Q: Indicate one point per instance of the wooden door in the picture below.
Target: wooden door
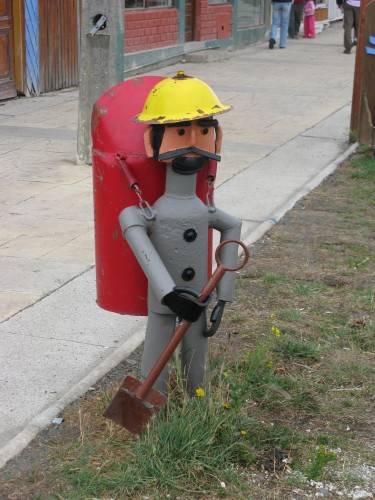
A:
(189, 20)
(7, 85)
(58, 44)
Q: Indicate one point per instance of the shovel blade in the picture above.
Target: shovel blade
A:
(131, 412)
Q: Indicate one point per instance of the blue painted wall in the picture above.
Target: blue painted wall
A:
(32, 47)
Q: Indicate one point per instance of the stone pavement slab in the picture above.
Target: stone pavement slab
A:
(47, 348)
(14, 131)
(35, 276)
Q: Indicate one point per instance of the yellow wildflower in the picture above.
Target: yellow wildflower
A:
(273, 315)
(243, 432)
(225, 405)
(200, 392)
(276, 331)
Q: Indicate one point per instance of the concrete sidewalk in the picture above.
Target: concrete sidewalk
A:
(287, 131)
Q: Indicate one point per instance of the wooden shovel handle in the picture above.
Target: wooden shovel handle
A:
(180, 331)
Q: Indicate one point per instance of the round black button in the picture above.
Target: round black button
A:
(190, 234)
(188, 274)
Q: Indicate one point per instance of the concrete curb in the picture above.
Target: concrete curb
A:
(41, 421)
(266, 225)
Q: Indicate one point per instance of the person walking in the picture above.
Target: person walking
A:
(280, 18)
(296, 11)
(309, 19)
(350, 8)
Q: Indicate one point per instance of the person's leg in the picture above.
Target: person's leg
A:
(305, 27)
(276, 18)
(292, 22)
(158, 332)
(194, 355)
(313, 29)
(298, 16)
(356, 21)
(311, 26)
(348, 24)
(285, 13)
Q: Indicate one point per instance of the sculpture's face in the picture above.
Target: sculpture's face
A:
(188, 145)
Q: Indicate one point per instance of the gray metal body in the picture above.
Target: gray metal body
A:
(164, 253)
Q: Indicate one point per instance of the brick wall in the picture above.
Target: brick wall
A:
(150, 29)
(211, 20)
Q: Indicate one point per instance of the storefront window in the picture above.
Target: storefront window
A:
(215, 2)
(144, 4)
(250, 13)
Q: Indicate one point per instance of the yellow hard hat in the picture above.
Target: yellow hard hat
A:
(181, 98)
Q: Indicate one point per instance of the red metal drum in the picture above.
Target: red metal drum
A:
(120, 282)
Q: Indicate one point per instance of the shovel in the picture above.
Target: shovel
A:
(136, 403)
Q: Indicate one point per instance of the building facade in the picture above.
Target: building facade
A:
(158, 31)
(40, 39)
(40, 42)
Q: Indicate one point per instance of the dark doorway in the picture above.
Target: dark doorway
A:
(189, 20)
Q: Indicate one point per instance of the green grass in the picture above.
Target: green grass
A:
(291, 348)
(270, 279)
(349, 373)
(176, 453)
(308, 288)
(318, 462)
(306, 402)
(197, 443)
(364, 169)
(237, 320)
(360, 334)
(292, 315)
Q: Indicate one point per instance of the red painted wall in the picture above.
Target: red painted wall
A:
(150, 29)
(212, 21)
(154, 28)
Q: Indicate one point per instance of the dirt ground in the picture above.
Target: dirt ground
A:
(326, 241)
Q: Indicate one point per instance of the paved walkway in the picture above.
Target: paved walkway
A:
(289, 126)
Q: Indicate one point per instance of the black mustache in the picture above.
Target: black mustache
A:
(183, 151)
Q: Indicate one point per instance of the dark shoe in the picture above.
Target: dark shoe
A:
(272, 43)
(347, 51)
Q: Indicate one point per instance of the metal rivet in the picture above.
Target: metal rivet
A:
(190, 234)
(188, 274)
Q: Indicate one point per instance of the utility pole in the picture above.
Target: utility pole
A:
(101, 62)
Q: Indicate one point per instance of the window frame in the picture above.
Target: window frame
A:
(165, 4)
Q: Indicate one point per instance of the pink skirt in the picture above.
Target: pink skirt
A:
(309, 26)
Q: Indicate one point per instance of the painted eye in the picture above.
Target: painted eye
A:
(204, 131)
(181, 131)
